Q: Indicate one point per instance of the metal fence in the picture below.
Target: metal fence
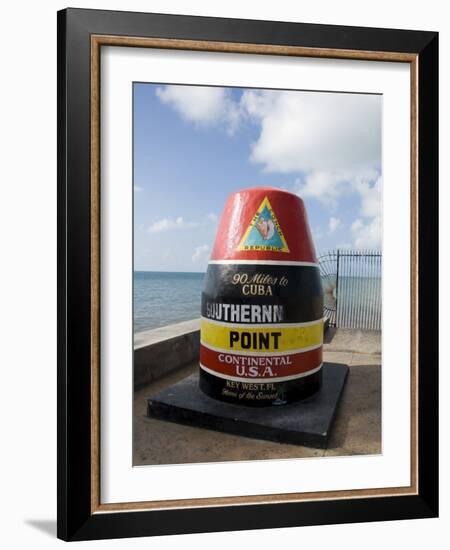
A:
(351, 282)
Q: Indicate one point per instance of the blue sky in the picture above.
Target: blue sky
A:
(195, 145)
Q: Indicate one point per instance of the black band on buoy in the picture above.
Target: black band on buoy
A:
(296, 289)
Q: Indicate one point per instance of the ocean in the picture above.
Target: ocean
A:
(163, 298)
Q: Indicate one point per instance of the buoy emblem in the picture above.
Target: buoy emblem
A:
(264, 231)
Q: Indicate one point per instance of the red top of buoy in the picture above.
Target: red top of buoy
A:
(264, 223)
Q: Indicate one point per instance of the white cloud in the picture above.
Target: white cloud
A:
(309, 132)
(329, 187)
(333, 141)
(367, 234)
(299, 131)
(370, 194)
(357, 225)
(326, 187)
(333, 224)
(168, 224)
(330, 133)
(202, 105)
(137, 188)
(200, 253)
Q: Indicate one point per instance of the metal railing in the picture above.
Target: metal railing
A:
(351, 282)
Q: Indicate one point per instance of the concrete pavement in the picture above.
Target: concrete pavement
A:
(357, 428)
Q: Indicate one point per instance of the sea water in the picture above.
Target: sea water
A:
(163, 298)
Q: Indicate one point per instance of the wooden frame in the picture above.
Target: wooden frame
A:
(81, 34)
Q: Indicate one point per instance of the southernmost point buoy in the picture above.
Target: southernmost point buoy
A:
(262, 303)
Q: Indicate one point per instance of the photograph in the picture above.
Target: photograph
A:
(257, 273)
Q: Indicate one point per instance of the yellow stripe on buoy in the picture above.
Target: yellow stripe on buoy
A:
(264, 339)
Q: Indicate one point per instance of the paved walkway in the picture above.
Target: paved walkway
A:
(357, 428)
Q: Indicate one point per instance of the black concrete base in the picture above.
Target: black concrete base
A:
(307, 422)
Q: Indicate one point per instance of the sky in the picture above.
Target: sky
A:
(195, 145)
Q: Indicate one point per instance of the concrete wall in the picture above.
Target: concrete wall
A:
(160, 351)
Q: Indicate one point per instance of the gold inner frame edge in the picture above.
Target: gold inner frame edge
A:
(97, 41)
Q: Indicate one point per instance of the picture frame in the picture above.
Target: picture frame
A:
(81, 36)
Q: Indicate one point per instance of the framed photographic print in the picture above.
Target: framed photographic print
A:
(247, 252)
